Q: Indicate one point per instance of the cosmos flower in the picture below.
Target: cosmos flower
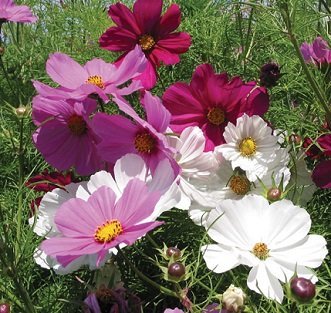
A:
(318, 53)
(101, 223)
(250, 145)
(321, 174)
(120, 135)
(95, 77)
(276, 249)
(127, 168)
(211, 101)
(64, 136)
(175, 310)
(144, 26)
(11, 12)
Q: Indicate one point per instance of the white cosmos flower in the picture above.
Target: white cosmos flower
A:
(196, 166)
(250, 145)
(271, 238)
(229, 183)
(128, 167)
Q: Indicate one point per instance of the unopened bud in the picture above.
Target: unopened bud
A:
(2, 51)
(176, 270)
(274, 194)
(270, 74)
(233, 299)
(295, 139)
(4, 308)
(303, 289)
(173, 252)
(21, 112)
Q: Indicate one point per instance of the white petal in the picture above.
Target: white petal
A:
(128, 167)
(219, 258)
(262, 281)
(100, 179)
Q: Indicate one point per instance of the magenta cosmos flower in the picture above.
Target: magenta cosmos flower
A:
(95, 77)
(318, 52)
(152, 32)
(9, 11)
(210, 101)
(101, 223)
(120, 135)
(64, 137)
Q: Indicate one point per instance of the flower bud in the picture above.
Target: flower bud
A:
(274, 194)
(173, 252)
(176, 270)
(295, 139)
(4, 308)
(303, 289)
(2, 51)
(233, 299)
(21, 112)
(270, 74)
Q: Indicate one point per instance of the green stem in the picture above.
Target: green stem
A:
(6, 75)
(147, 279)
(20, 185)
(151, 240)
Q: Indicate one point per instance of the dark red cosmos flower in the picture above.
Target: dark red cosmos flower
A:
(319, 151)
(146, 27)
(321, 174)
(210, 101)
(45, 182)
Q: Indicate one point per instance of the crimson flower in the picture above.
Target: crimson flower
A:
(144, 26)
(210, 101)
(321, 174)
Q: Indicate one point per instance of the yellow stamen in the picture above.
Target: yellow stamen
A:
(144, 143)
(247, 147)
(239, 184)
(261, 251)
(216, 116)
(96, 80)
(146, 42)
(108, 231)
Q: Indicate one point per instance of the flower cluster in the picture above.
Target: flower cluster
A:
(204, 147)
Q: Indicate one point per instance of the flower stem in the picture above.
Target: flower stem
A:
(147, 279)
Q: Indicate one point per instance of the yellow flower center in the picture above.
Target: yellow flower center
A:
(77, 125)
(144, 143)
(261, 251)
(96, 80)
(247, 147)
(216, 116)
(146, 42)
(108, 231)
(239, 184)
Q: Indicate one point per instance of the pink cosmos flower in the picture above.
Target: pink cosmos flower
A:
(321, 174)
(120, 135)
(317, 53)
(210, 101)
(146, 27)
(95, 77)
(102, 222)
(9, 11)
(64, 136)
(175, 310)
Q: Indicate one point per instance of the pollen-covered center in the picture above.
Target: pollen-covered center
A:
(216, 116)
(146, 42)
(77, 125)
(239, 184)
(108, 231)
(96, 80)
(144, 143)
(260, 250)
(247, 147)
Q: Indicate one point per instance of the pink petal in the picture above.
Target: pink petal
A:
(160, 54)
(148, 77)
(136, 204)
(170, 20)
(147, 14)
(157, 115)
(65, 71)
(100, 68)
(320, 48)
(20, 13)
(124, 18)
(49, 92)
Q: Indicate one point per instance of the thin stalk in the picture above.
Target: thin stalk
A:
(20, 185)
(152, 241)
(6, 75)
(147, 279)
